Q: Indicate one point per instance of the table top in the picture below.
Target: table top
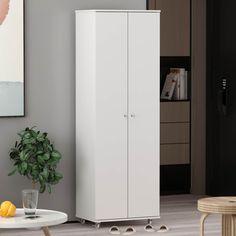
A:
(222, 205)
(44, 218)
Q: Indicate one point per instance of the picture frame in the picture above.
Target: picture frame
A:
(12, 58)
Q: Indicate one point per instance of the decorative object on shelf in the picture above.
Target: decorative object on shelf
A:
(11, 58)
(169, 86)
(7, 209)
(30, 201)
(180, 92)
(35, 157)
(176, 85)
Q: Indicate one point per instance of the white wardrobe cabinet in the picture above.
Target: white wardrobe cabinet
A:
(117, 115)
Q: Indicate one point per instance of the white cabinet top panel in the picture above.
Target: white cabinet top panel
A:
(114, 10)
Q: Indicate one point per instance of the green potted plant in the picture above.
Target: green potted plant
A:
(35, 157)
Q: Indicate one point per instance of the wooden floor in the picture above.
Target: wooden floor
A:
(179, 213)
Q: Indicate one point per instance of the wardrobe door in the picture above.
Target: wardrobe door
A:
(143, 84)
(111, 120)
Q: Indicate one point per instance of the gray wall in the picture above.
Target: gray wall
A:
(50, 96)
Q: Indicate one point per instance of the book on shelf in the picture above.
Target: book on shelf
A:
(186, 85)
(169, 86)
(179, 89)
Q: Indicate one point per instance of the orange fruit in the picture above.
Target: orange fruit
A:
(7, 209)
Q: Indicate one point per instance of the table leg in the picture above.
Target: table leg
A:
(234, 225)
(228, 225)
(46, 231)
(202, 221)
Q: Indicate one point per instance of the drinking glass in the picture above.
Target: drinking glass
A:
(30, 201)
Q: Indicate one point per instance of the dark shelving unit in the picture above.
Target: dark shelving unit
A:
(176, 179)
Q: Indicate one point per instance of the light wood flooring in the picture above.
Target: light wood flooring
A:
(179, 213)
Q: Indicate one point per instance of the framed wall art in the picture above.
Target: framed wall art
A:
(11, 58)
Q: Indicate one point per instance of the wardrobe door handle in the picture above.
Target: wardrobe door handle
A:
(223, 97)
(125, 116)
(132, 115)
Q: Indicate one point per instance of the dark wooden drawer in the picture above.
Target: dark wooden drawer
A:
(175, 154)
(174, 133)
(175, 112)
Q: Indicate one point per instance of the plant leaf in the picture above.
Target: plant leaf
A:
(42, 188)
(12, 172)
(24, 166)
(40, 160)
(58, 176)
(40, 137)
(55, 154)
(49, 188)
(46, 156)
(45, 173)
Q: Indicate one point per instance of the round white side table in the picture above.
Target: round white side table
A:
(43, 219)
